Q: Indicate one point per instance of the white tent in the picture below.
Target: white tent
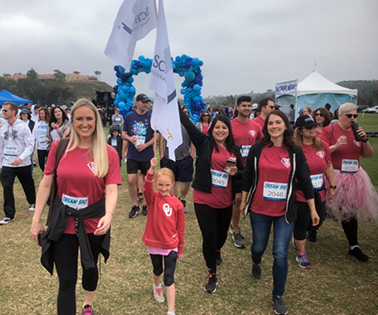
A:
(316, 90)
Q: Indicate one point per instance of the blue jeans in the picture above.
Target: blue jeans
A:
(282, 232)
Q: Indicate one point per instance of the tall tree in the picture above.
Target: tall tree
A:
(32, 74)
(98, 74)
(76, 72)
(59, 75)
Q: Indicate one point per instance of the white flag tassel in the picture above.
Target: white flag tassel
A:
(135, 19)
(165, 115)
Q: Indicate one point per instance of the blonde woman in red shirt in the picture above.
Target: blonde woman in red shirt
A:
(164, 233)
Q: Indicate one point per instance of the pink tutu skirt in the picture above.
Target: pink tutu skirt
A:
(355, 197)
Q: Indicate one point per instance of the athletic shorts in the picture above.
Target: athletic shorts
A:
(182, 169)
(133, 166)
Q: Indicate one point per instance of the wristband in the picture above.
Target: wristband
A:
(367, 139)
(333, 187)
(109, 213)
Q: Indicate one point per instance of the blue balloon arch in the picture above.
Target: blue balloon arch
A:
(184, 66)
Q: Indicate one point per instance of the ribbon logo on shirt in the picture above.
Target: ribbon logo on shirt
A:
(286, 162)
(167, 209)
(357, 143)
(320, 154)
(91, 166)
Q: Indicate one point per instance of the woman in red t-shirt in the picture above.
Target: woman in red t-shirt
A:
(355, 197)
(273, 165)
(320, 164)
(87, 171)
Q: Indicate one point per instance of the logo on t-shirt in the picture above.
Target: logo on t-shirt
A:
(91, 166)
(286, 162)
(320, 154)
(252, 133)
(167, 209)
(357, 143)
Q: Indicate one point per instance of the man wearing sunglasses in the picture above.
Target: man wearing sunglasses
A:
(16, 145)
(137, 130)
(266, 106)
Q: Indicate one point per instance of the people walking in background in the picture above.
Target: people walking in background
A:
(16, 146)
(322, 117)
(204, 122)
(117, 119)
(266, 106)
(59, 126)
(164, 232)
(356, 198)
(81, 217)
(40, 135)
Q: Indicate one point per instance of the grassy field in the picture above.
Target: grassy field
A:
(337, 283)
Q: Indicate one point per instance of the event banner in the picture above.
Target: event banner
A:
(286, 88)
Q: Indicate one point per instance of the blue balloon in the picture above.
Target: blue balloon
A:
(121, 69)
(189, 76)
(132, 90)
(196, 87)
(183, 91)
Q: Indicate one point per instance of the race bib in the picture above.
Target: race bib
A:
(349, 166)
(219, 179)
(42, 139)
(10, 151)
(245, 150)
(275, 191)
(317, 181)
(114, 142)
(75, 202)
(140, 140)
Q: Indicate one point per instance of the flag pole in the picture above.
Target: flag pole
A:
(155, 143)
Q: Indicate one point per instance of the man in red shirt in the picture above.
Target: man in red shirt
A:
(266, 105)
(245, 132)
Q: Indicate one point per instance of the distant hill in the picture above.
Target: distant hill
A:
(367, 90)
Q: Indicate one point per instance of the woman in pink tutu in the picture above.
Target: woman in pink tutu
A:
(355, 197)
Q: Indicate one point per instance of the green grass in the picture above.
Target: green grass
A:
(337, 284)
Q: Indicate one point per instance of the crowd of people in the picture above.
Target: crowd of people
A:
(283, 172)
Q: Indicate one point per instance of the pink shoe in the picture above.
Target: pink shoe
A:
(88, 310)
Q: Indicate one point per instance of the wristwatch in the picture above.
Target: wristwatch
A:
(333, 187)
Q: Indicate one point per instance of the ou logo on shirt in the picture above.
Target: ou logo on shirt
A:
(167, 209)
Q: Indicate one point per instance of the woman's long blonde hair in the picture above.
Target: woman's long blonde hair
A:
(98, 149)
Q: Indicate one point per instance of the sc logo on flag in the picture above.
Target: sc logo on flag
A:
(159, 64)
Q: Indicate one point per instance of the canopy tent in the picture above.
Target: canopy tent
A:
(316, 90)
(6, 96)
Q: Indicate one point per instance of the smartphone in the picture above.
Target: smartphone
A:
(230, 162)
(40, 235)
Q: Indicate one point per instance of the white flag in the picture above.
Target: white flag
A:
(135, 19)
(165, 115)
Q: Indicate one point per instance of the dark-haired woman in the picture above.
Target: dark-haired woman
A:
(204, 122)
(320, 164)
(218, 164)
(40, 135)
(273, 165)
(322, 117)
(59, 125)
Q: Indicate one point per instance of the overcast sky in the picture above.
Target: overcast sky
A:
(246, 45)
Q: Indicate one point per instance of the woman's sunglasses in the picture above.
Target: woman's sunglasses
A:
(319, 114)
(351, 115)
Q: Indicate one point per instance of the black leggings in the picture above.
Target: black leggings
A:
(303, 223)
(42, 157)
(214, 225)
(169, 264)
(65, 253)
(351, 229)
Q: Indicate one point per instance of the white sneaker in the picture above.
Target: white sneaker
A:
(6, 220)
(32, 207)
(158, 295)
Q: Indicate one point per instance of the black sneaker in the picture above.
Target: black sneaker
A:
(134, 212)
(144, 210)
(256, 271)
(279, 305)
(219, 259)
(6, 220)
(356, 252)
(211, 285)
(311, 236)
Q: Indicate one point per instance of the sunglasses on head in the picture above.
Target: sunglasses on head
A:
(351, 115)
